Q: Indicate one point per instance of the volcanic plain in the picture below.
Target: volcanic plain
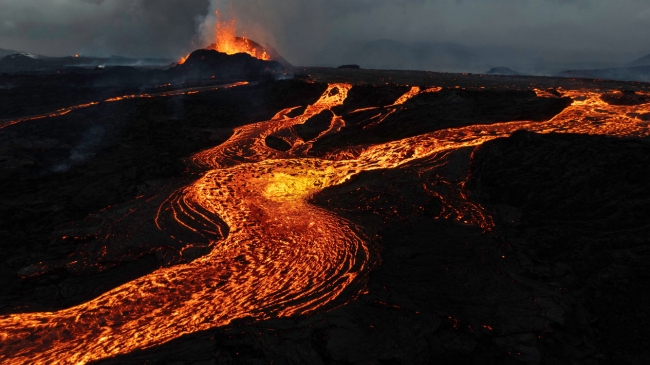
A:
(232, 211)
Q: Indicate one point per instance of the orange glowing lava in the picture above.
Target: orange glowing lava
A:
(58, 113)
(64, 111)
(272, 253)
(227, 41)
(183, 59)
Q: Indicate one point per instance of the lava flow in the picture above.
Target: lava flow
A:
(272, 253)
(64, 111)
(188, 91)
(58, 113)
(226, 41)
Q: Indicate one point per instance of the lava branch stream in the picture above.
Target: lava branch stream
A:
(281, 256)
(63, 111)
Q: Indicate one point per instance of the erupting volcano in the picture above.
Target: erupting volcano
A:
(227, 41)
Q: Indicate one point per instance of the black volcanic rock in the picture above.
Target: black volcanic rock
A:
(277, 143)
(353, 67)
(368, 96)
(625, 97)
(314, 125)
(429, 112)
(582, 203)
(207, 63)
(552, 178)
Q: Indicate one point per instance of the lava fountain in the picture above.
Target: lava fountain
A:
(226, 41)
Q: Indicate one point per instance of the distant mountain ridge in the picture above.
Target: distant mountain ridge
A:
(391, 54)
(637, 73)
(27, 62)
(200, 65)
(6, 52)
(637, 70)
(643, 61)
(443, 56)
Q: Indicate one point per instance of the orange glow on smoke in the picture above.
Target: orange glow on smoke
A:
(272, 254)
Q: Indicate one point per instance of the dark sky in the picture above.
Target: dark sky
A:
(308, 31)
(101, 27)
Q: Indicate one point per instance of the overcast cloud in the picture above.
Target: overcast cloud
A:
(101, 27)
(304, 30)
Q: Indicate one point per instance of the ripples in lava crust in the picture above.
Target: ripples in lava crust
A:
(280, 256)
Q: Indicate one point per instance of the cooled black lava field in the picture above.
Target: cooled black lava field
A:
(323, 216)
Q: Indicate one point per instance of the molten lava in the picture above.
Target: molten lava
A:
(226, 41)
(183, 59)
(58, 113)
(64, 111)
(279, 255)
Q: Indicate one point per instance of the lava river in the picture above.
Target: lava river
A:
(272, 253)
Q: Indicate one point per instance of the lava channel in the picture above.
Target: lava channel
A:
(281, 256)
